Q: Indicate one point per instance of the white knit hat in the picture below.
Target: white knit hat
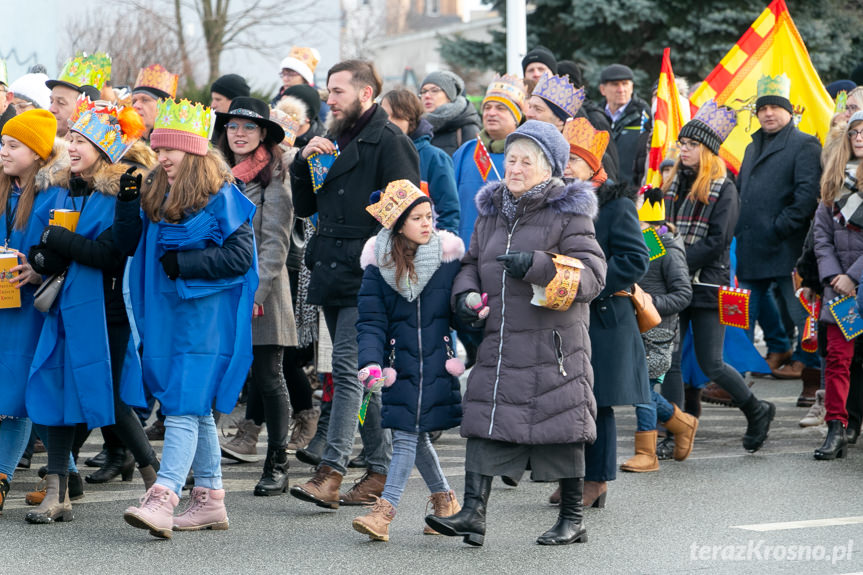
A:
(303, 61)
(31, 87)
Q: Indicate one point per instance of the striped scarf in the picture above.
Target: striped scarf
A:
(692, 218)
(848, 208)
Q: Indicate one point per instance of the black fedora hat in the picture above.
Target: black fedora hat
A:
(255, 110)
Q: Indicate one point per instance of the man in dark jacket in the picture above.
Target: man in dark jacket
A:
(779, 186)
(629, 116)
(371, 153)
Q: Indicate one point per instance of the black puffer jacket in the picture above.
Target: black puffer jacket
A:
(667, 281)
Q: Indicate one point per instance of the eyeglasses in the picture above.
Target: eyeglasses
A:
(247, 126)
(852, 108)
(433, 90)
(688, 144)
(22, 106)
(852, 134)
(288, 72)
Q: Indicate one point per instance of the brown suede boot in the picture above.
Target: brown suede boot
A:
(376, 523)
(366, 490)
(444, 504)
(554, 498)
(56, 505)
(811, 383)
(148, 474)
(322, 489)
(595, 493)
(683, 426)
(645, 453)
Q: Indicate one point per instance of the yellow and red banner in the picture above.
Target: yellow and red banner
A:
(482, 159)
(667, 120)
(771, 46)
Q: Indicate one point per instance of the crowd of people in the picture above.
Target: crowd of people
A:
(164, 252)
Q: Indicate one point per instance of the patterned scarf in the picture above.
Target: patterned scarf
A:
(509, 203)
(306, 314)
(848, 208)
(692, 218)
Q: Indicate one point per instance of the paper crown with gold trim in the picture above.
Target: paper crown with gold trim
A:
(561, 94)
(288, 123)
(110, 128)
(387, 207)
(586, 142)
(509, 91)
(83, 70)
(157, 80)
(653, 208)
(303, 61)
(774, 91)
(710, 125)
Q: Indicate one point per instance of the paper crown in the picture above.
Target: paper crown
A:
(4, 75)
(183, 116)
(509, 91)
(303, 61)
(720, 119)
(778, 86)
(388, 206)
(110, 128)
(158, 78)
(559, 91)
(584, 139)
(653, 208)
(83, 70)
(288, 123)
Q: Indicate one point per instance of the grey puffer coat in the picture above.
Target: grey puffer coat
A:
(532, 383)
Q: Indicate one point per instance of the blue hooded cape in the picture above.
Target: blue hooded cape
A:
(70, 379)
(21, 327)
(196, 333)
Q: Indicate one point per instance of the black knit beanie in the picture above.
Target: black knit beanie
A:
(231, 86)
(702, 133)
(540, 54)
(773, 101)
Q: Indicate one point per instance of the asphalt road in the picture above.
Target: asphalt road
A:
(686, 518)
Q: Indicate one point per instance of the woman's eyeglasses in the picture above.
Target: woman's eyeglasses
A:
(688, 144)
(854, 133)
(246, 126)
(433, 90)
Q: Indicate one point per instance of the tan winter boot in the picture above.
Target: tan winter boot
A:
(645, 453)
(305, 427)
(683, 426)
(366, 490)
(56, 505)
(322, 489)
(444, 504)
(376, 523)
(243, 446)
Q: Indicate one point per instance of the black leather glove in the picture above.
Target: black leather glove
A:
(130, 186)
(516, 264)
(171, 264)
(45, 261)
(53, 236)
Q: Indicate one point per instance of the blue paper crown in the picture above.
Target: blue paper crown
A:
(559, 91)
(105, 132)
(720, 119)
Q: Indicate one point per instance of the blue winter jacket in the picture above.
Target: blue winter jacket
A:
(436, 172)
(424, 397)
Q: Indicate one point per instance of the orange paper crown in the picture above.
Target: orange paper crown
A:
(158, 78)
(398, 197)
(585, 141)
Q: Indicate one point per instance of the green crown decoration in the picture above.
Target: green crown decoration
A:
(84, 70)
(778, 86)
(183, 116)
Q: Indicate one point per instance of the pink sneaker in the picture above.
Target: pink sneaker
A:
(156, 512)
(207, 511)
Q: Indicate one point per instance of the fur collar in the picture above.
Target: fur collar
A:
(452, 249)
(55, 172)
(107, 179)
(575, 197)
(610, 191)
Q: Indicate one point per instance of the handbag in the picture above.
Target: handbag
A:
(645, 312)
(47, 293)
(658, 346)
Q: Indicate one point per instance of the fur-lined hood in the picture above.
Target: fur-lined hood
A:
(575, 197)
(608, 192)
(141, 155)
(452, 249)
(55, 172)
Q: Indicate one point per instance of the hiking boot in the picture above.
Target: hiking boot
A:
(444, 504)
(366, 490)
(274, 479)
(56, 505)
(322, 489)
(206, 511)
(376, 523)
(243, 446)
(156, 512)
(816, 413)
(304, 428)
(811, 383)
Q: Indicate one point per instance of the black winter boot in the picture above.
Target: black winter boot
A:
(470, 521)
(570, 521)
(274, 480)
(118, 462)
(835, 444)
(759, 414)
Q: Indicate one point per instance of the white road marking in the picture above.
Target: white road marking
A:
(809, 523)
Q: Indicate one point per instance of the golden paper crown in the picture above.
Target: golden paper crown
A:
(653, 208)
(778, 86)
(157, 77)
(84, 70)
(289, 124)
(584, 139)
(391, 204)
(509, 91)
(183, 116)
(309, 56)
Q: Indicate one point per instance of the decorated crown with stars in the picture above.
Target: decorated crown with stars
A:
(183, 116)
(84, 70)
(559, 91)
(110, 128)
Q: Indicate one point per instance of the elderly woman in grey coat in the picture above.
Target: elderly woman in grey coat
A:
(250, 143)
(529, 397)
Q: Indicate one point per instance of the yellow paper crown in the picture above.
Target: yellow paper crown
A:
(778, 86)
(309, 56)
(158, 77)
(398, 197)
(653, 208)
(83, 70)
(582, 137)
(183, 116)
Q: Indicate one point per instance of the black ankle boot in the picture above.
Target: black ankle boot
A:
(852, 434)
(835, 444)
(99, 459)
(759, 414)
(118, 462)
(570, 521)
(76, 486)
(470, 521)
(274, 480)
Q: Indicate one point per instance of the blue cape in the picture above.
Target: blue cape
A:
(21, 327)
(196, 334)
(70, 379)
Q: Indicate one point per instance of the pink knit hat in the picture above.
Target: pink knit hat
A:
(178, 140)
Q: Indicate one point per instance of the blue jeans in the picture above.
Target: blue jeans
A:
(191, 442)
(14, 435)
(411, 449)
(347, 397)
(774, 331)
(647, 413)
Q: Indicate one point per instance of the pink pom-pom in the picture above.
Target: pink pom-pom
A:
(455, 366)
(389, 376)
